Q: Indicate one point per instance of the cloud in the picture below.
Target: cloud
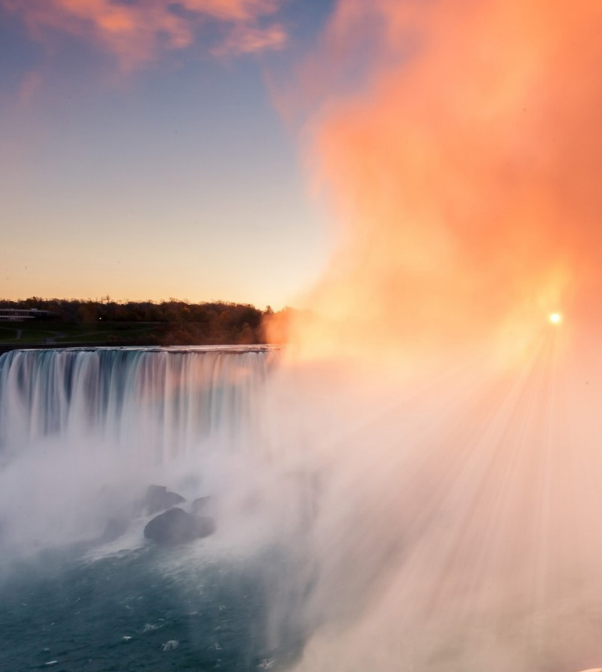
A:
(28, 88)
(458, 146)
(248, 40)
(136, 32)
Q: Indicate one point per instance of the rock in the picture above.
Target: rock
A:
(175, 526)
(159, 498)
(202, 506)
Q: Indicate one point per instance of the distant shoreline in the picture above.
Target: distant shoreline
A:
(56, 323)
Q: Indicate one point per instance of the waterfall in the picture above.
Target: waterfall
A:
(168, 401)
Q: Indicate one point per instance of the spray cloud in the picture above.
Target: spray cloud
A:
(458, 146)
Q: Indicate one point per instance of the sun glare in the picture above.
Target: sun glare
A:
(555, 318)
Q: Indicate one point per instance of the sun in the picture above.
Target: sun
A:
(555, 318)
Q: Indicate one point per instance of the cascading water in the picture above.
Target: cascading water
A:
(170, 401)
(83, 432)
(437, 522)
(443, 523)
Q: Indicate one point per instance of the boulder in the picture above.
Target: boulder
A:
(159, 498)
(175, 526)
(202, 506)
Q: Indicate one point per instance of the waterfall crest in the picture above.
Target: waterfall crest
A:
(169, 400)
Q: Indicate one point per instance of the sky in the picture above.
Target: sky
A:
(143, 153)
(412, 170)
(460, 146)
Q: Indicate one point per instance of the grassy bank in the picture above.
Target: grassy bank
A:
(58, 334)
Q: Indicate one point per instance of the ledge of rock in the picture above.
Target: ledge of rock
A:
(159, 498)
(202, 506)
(175, 526)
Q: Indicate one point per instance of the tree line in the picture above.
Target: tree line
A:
(177, 322)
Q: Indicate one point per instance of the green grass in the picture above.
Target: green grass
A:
(102, 335)
(63, 333)
(29, 335)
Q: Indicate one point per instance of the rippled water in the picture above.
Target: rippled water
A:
(82, 434)
(146, 609)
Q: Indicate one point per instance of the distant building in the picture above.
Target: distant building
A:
(20, 314)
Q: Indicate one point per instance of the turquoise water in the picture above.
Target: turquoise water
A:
(82, 434)
(149, 609)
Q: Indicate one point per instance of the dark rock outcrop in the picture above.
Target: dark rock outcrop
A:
(159, 498)
(203, 506)
(175, 526)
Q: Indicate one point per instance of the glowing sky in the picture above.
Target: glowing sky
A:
(464, 165)
(142, 154)
(153, 148)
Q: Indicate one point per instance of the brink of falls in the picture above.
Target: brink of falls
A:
(170, 401)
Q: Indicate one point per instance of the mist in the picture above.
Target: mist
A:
(457, 147)
(428, 446)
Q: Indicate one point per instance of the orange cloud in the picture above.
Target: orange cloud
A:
(135, 32)
(248, 40)
(233, 10)
(459, 148)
